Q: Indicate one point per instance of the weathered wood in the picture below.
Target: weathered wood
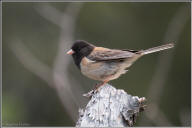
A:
(110, 107)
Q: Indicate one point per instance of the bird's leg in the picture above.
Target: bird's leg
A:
(90, 93)
(100, 84)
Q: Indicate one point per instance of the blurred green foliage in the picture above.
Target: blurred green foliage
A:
(28, 99)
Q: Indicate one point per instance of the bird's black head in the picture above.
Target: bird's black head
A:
(81, 49)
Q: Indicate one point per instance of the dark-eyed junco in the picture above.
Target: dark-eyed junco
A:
(104, 64)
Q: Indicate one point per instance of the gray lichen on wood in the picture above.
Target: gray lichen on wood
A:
(110, 107)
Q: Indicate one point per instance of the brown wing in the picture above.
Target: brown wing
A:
(104, 54)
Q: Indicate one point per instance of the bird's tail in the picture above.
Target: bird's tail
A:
(158, 48)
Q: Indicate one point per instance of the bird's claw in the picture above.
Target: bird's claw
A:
(92, 92)
(89, 94)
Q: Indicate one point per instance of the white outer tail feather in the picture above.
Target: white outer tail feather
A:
(158, 48)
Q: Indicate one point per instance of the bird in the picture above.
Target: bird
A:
(105, 64)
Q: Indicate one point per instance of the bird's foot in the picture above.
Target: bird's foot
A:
(97, 86)
(89, 94)
(93, 91)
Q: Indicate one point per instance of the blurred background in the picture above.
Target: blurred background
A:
(43, 87)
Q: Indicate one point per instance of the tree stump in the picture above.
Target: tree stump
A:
(110, 107)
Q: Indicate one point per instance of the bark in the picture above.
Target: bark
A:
(110, 107)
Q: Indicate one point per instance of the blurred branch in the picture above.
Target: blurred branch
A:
(50, 13)
(31, 62)
(66, 21)
(173, 32)
(57, 17)
(111, 107)
(61, 65)
(58, 76)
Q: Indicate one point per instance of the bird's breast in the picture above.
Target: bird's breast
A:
(98, 70)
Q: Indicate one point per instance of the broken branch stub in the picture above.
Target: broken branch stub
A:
(111, 107)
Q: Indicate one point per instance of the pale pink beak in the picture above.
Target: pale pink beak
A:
(70, 52)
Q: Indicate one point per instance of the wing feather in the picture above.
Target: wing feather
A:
(100, 54)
